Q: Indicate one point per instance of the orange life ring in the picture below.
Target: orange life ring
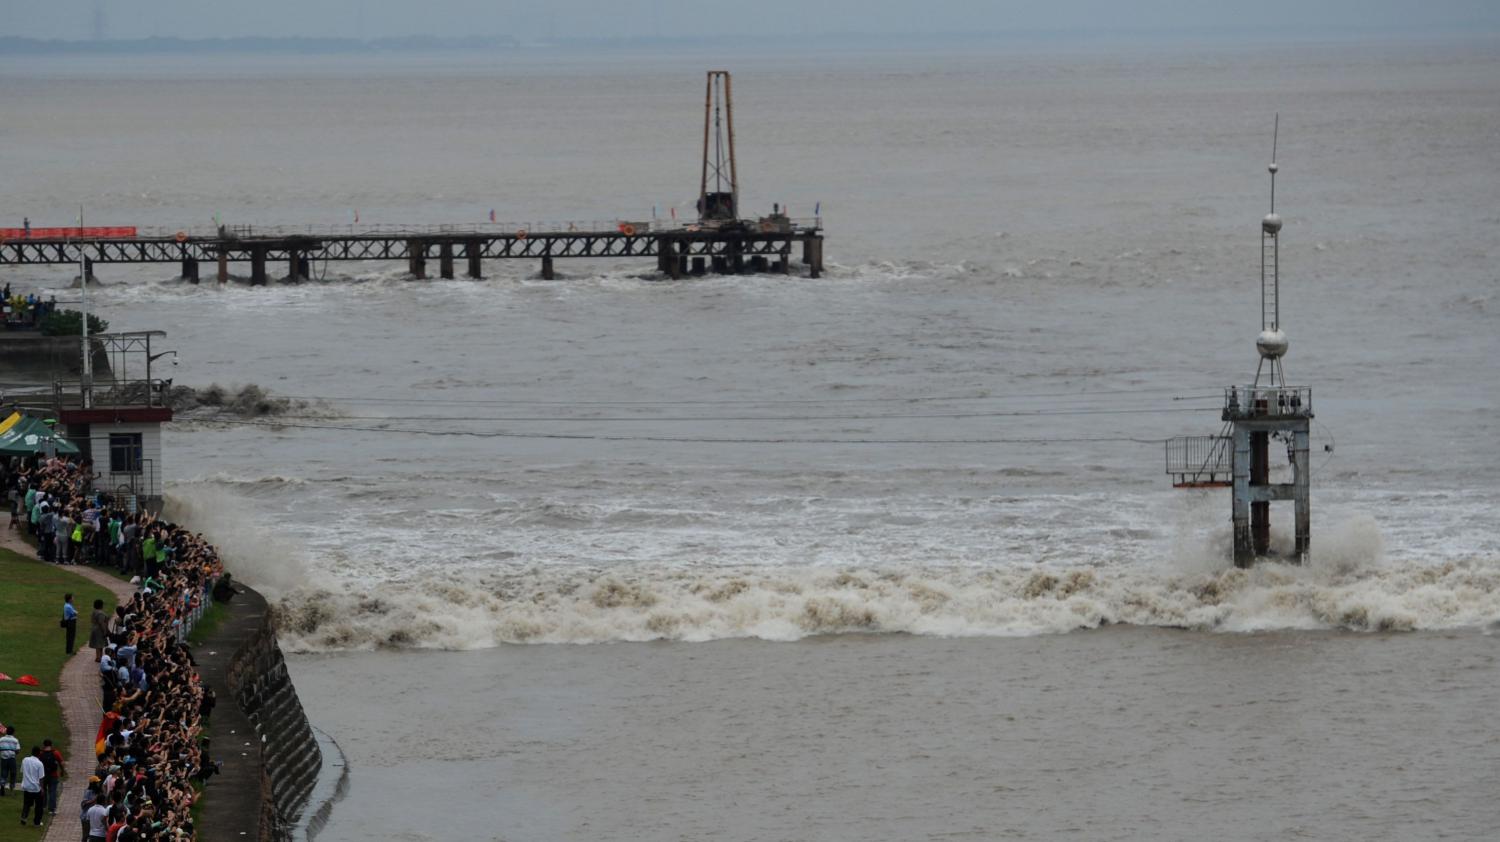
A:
(627, 229)
(521, 234)
(181, 237)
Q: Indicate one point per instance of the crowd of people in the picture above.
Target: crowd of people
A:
(25, 311)
(152, 754)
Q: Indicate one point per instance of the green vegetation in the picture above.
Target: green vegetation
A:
(213, 615)
(31, 643)
(70, 323)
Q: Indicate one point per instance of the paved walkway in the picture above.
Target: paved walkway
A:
(81, 701)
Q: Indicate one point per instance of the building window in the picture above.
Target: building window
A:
(125, 453)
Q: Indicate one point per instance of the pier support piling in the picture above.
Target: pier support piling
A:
(445, 261)
(473, 249)
(700, 266)
(416, 262)
(547, 272)
(257, 266)
(190, 270)
(295, 266)
(223, 267)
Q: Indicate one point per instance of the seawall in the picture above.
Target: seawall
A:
(258, 729)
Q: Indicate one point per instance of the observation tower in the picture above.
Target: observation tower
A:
(1268, 409)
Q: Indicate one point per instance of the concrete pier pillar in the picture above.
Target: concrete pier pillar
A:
(815, 248)
(1302, 465)
(190, 270)
(547, 273)
(473, 249)
(304, 268)
(416, 261)
(258, 266)
(293, 266)
(1260, 476)
(1244, 552)
(445, 261)
(223, 267)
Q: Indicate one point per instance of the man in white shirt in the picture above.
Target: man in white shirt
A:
(32, 772)
(98, 817)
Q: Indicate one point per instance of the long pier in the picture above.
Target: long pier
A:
(765, 245)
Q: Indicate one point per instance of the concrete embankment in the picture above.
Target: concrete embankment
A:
(271, 756)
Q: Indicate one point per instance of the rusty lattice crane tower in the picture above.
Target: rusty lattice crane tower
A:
(1268, 409)
(719, 187)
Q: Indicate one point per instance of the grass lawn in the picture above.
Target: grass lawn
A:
(31, 643)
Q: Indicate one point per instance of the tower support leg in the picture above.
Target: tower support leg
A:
(1260, 476)
(1301, 464)
(1244, 550)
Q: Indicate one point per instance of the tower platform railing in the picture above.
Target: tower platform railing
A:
(1243, 403)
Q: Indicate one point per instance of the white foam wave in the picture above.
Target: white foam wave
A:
(477, 610)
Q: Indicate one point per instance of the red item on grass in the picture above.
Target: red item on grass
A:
(29, 681)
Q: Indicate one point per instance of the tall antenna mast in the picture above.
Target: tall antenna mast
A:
(1271, 342)
(719, 188)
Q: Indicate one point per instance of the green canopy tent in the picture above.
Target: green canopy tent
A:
(22, 435)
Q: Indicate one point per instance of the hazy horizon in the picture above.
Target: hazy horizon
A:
(91, 20)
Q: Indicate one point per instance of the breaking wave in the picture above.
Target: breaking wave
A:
(479, 610)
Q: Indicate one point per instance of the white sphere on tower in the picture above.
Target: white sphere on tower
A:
(1271, 224)
(1271, 344)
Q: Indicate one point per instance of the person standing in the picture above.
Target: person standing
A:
(9, 748)
(70, 620)
(25, 226)
(54, 769)
(97, 817)
(32, 773)
(98, 630)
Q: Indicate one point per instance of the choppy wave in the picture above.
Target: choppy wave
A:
(591, 606)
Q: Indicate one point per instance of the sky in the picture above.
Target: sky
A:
(543, 19)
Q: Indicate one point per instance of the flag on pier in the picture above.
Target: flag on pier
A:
(492, 214)
(356, 216)
(818, 209)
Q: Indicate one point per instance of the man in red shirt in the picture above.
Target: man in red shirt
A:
(52, 760)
